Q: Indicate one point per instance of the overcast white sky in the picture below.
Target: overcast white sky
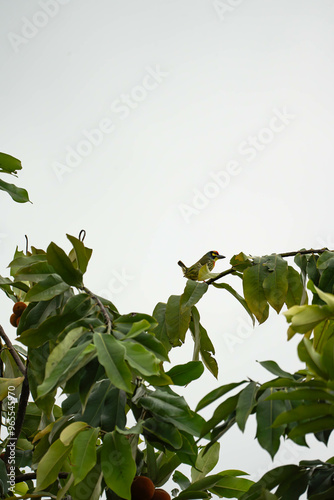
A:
(167, 128)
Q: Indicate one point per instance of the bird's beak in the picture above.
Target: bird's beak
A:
(220, 256)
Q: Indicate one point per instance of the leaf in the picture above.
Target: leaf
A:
(231, 487)
(19, 195)
(217, 393)
(51, 464)
(63, 266)
(111, 354)
(9, 164)
(117, 463)
(184, 374)
(164, 431)
(246, 403)
(304, 412)
(312, 358)
(137, 328)
(141, 359)
(83, 254)
(203, 344)
(193, 292)
(313, 426)
(301, 394)
(328, 298)
(69, 433)
(90, 487)
(205, 462)
(177, 320)
(58, 353)
(46, 289)
(181, 480)
(160, 331)
(237, 296)
(266, 413)
(64, 369)
(222, 412)
(295, 288)
(83, 455)
(273, 367)
(275, 284)
(327, 358)
(253, 290)
(5, 383)
(271, 479)
(125, 322)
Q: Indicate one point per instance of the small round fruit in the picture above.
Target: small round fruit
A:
(161, 494)
(13, 319)
(18, 321)
(18, 308)
(142, 488)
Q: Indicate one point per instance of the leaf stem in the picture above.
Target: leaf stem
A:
(101, 306)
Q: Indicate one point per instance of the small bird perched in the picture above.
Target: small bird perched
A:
(201, 270)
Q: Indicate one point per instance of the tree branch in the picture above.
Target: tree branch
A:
(13, 352)
(32, 475)
(284, 254)
(101, 306)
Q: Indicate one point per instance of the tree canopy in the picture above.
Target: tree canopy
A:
(89, 402)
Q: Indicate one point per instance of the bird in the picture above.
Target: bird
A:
(201, 270)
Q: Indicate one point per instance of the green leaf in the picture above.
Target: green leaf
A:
(34, 272)
(141, 359)
(237, 296)
(231, 487)
(69, 433)
(164, 431)
(193, 292)
(64, 369)
(221, 413)
(295, 288)
(328, 298)
(304, 412)
(205, 462)
(111, 354)
(246, 403)
(266, 413)
(275, 284)
(58, 353)
(51, 464)
(63, 266)
(203, 344)
(9, 164)
(177, 320)
(83, 254)
(311, 357)
(181, 480)
(77, 307)
(83, 455)
(184, 374)
(160, 331)
(117, 463)
(90, 488)
(217, 393)
(313, 426)
(301, 394)
(253, 278)
(19, 195)
(125, 322)
(138, 328)
(46, 289)
(271, 479)
(273, 367)
(8, 382)
(327, 358)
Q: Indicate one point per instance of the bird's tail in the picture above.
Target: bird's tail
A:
(180, 263)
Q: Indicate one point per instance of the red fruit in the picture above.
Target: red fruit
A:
(18, 321)
(18, 308)
(161, 494)
(13, 319)
(142, 488)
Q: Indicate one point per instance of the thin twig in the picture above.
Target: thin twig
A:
(13, 352)
(284, 254)
(32, 475)
(101, 306)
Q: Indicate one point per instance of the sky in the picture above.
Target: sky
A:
(165, 129)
